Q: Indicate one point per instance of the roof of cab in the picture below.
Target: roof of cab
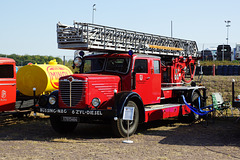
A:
(121, 55)
(6, 60)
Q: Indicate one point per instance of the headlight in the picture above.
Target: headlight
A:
(52, 100)
(96, 102)
(77, 61)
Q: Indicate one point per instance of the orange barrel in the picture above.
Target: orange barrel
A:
(43, 77)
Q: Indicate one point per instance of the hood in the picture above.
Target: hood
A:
(78, 90)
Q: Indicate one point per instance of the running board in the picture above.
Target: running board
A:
(163, 111)
(161, 106)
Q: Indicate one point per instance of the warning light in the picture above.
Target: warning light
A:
(130, 52)
(81, 53)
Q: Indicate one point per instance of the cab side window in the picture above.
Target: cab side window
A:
(141, 66)
(156, 67)
(6, 71)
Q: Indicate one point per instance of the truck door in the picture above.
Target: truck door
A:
(146, 81)
(156, 81)
(7, 87)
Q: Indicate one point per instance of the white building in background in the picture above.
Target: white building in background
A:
(236, 51)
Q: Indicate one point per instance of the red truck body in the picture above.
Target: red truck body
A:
(7, 84)
(130, 69)
(119, 79)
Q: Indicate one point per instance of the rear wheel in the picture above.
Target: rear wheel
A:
(120, 126)
(62, 127)
(193, 116)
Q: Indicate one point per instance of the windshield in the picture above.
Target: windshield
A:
(93, 65)
(117, 65)
(120, 65)
(206, 53)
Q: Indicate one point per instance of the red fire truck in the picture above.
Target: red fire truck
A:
(126, 68)
(7, 84)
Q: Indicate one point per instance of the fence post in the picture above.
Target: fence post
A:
(213, 70)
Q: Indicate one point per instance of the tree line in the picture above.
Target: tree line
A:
(22, 60)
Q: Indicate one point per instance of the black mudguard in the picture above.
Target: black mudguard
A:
(120, 99)
(43, 100)
(197, 91)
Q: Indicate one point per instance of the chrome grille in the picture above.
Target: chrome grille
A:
(72, 92)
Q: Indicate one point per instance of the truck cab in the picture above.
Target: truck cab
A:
(146, 71)
(7, 84)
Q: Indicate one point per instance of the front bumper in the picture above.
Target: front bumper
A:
(94, 114)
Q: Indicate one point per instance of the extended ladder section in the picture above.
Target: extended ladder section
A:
(93, 37)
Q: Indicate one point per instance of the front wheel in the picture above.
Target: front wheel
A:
(120, 126)
(62, 127)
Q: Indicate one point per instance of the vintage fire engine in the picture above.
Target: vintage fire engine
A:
(126, 68)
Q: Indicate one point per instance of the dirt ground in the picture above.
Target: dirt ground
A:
(33, 138)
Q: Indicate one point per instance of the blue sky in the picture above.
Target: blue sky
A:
(29, 26)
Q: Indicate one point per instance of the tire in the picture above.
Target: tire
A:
(120, 126)
(62, 127)
(193, 116)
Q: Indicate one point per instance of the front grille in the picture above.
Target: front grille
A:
(72, 92)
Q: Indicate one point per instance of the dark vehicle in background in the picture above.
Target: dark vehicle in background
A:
(207, 55)
(224, 50)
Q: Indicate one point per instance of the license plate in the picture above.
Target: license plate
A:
(70, 119)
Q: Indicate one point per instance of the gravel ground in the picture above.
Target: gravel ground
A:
(33, 138)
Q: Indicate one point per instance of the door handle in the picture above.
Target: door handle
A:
(148, 78)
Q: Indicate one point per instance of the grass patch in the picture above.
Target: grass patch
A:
(222, 84)
(218, 63)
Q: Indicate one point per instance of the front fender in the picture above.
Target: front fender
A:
(43, 100)
(121, 98)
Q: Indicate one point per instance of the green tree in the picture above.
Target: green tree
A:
(22, 60)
